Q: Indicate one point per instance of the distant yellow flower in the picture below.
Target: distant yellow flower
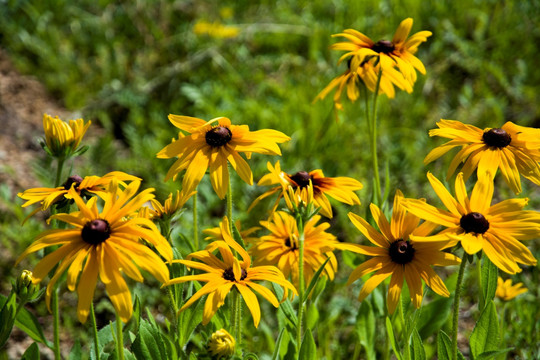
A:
(212, 145)
(512, 148)
(478, 225)
(221, 344)
(281, 247)
(63, 139)
(216, 234)
(221, 275)
(103, 243)
(89, 185)
(506, 291)
(215, 29)
(398, 256)
(339, 188)
(171, 206)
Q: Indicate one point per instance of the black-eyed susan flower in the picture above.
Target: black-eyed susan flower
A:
(398, 256)
(212, 145)
(480, 226)
(221, 345)
(171, 206)
(104, 244)
(506, 291)
(512, 148)
(223, 274)
(89, 185)
(339, 188)
(63, 139)
(281, 247)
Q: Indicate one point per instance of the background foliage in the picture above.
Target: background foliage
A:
(127, 65)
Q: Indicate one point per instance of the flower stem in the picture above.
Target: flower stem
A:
(59, 168)
(119, 338)
(236, 316)
(229, 205)
(94, 330)
(373, 142)
(404, 331)
(300, 283)
(455, 319)
(56, 325)
(195, 223)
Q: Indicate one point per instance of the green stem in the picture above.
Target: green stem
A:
(236, 316)
(481, 300)
(119, 338)
(300, 283)
(229, 205)
(56, 325)
(455, 317)
(195, 223)
(373, 142)
(59, 168)
(404, 331)
(94, 330)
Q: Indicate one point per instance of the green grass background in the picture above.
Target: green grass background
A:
(127, 65)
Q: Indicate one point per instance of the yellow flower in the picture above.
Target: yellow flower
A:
(216, 234)
(512, 148)
(281, 248)
(103, 243)
(221, 275)
(171, 206)
(221, 344)
(215, 29)
(478, 225)
(396, 254)
(339, 188)
(89, 185)
(506, 291)
(63, 139)
(211, 145)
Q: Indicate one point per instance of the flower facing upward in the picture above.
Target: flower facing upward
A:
(211, 145)
(512, 148)
(339, 188)
(506, 291)
(281, 248)
(221, 344)
(221, 275)
(478, 225)
(395, 254)
(63, 139)
(105, 244)
(89, 185)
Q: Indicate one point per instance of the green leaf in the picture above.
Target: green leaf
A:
(314, 280)
(149, 344)
(237, 237)
(392, 338)
(32, 353)
(489, 274)
(444, 346)
(277, 347)
(485, 336)
(251, 356)
(418, 352)
(285, 306)
(491, 354)
(75, 353)
(7, 317)
(308, 350)
(189, 319)
(433, 316)
(312, 315)
(365, 328)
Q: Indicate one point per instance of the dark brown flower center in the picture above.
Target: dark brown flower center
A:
(496, 138)
(383, 46)
(291, 244)
(301, 178)
(218, 136)
(474, 223)
(74, 179)
(401, 252)
(96, 231)
(229, 274)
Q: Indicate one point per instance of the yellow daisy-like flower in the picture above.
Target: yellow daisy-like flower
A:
(215, 29)
(221, 344)
(212, 145)
(62, 139)
(216, 233)
(221, 275)
(339, 188)
(512, 148)
(281, 248)
(506, 291)
(171, 206)
(89, 185)
(103, 243)
(397, 255)
(478, 225)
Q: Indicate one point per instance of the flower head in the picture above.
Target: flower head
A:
(62, 139)
(478, 225)
(172, 205)
(103, 243)
(221, 344)
(506, 291)
(339, 188)
(398, 256)
(222, 274)
(212, 145)
(512, 148)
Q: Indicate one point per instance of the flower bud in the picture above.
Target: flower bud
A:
(221, 345)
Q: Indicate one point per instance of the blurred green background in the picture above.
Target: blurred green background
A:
(127, 65)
